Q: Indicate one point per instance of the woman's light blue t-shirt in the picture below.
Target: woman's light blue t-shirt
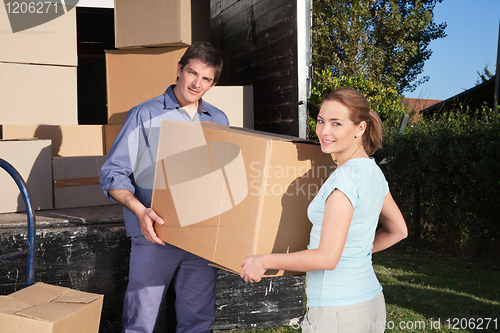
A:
(353, 281)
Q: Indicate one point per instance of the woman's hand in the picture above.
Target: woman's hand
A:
(253, 268)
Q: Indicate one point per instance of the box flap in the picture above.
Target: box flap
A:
(10, 303)
(39, 293)
(268, 273)
(76, 296)
(50, 312)
(254, 133)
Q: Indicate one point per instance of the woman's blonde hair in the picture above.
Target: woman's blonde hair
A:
(359, 110)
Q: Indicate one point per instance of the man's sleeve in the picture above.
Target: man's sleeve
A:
(117, 169)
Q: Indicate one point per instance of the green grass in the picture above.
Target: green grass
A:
(434, 291)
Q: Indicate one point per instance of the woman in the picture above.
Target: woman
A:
(343, 293)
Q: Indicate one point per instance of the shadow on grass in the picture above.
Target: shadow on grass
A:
(433, 304)
(437, 284)
(454, 274)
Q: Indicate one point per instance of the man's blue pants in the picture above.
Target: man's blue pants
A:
(152, 268)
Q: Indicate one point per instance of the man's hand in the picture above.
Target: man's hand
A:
(147, 217)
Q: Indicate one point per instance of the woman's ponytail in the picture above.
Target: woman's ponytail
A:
(372, 138)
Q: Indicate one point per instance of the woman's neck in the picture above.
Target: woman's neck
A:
(343, 157)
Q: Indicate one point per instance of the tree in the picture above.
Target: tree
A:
(485, 76)
(383, 40)
(385, 101)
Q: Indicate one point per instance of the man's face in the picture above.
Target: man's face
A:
(195, 79)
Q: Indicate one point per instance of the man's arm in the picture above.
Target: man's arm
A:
(146, 216)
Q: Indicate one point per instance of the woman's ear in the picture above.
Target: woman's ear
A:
(361, 129)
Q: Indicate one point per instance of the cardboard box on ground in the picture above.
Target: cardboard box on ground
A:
(43, 308)
(227, 193)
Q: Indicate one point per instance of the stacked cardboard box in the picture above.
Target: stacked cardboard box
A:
(38, 72)
(67, 140)
(77, 152)
(76, 182)
(38, 95)
(38, 86)
(161, 23)
(32, 160)
(151, 37)
(38, 99)
(134, 76)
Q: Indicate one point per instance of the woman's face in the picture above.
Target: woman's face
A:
(335, 130)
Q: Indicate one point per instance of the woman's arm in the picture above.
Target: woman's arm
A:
(336, 222)
(393, 227)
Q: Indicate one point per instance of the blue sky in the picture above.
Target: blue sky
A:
(470, 45)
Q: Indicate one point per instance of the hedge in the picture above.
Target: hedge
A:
(444, 174)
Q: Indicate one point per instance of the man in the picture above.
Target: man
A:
(127, 176)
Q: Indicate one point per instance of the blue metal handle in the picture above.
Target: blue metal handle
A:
(30, 268)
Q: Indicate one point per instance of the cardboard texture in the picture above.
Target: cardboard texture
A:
(43, 308)
(110, 134)
(32, 160)
(235, 101)
(51, 43)
(161, 22)
(38, 94)
(227, 193)
(76, 182)
(134, 76)
(67, 140)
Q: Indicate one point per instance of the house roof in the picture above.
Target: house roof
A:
(417, 104)
(474, 97)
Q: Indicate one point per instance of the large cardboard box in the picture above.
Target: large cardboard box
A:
(161, 22)
(235, 101)
(43, 308)
(67, 140)
(134, 76)
(76, 182)
(51, 43)
(227, 193)
(32, 160)
(38, 94)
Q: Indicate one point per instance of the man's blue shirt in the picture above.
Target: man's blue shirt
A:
(131, 161)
